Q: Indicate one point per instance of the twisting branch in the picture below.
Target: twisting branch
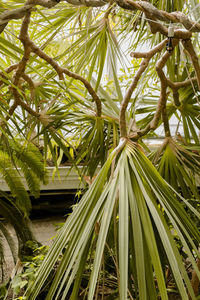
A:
(88, 3)
(19, 13)
(175, 86)
(150, 53)
(44, 3)
(165, 118)
(151, 12)
(165, 82)
(22, 64)
(124, 104)
(60, 70)
(155, 27)
(88, 86)
(146, 58)
(29, 47)
(31, 85)
(161, 106)
(34, 48)
(175, 17)
(195, 60)
(161, 109)
(11, 111)
(21, 68)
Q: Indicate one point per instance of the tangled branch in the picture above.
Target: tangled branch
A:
(161, 106)
(60, 70)
(151, 12)
(30, 46)
(165, 83)
(145, 62)
(153, 15)
(175, 17)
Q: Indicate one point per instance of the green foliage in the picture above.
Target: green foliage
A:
(133, 195)
(179, 166)
(28, 274)
(136, 218)
(29, 159)
(15, 160)
(14, 216)
(31, 263)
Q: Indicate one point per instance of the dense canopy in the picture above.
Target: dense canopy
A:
(97, 81)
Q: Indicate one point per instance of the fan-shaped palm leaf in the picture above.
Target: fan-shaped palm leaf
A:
(143, 200)
(178, 166)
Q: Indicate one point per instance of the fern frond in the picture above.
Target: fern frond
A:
(31, 157)
(32, 180)
(13, 181)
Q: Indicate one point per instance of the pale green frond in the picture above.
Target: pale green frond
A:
(141, 205)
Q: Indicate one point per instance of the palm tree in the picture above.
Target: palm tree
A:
(67, 80)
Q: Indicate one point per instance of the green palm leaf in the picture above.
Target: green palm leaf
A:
(135, 191)
(178, 166)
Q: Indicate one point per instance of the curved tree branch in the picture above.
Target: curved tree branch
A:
(60, 70)
(124, 104)
(174, 17)
(21, 66)
(31, 85)
(29, 47)
(161, 106)
(88, 3)
(151, 12)
(147, 56)
(19, 13)
(195, 60)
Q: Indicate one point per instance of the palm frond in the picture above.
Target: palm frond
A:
(178, 166)
(142, 200)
